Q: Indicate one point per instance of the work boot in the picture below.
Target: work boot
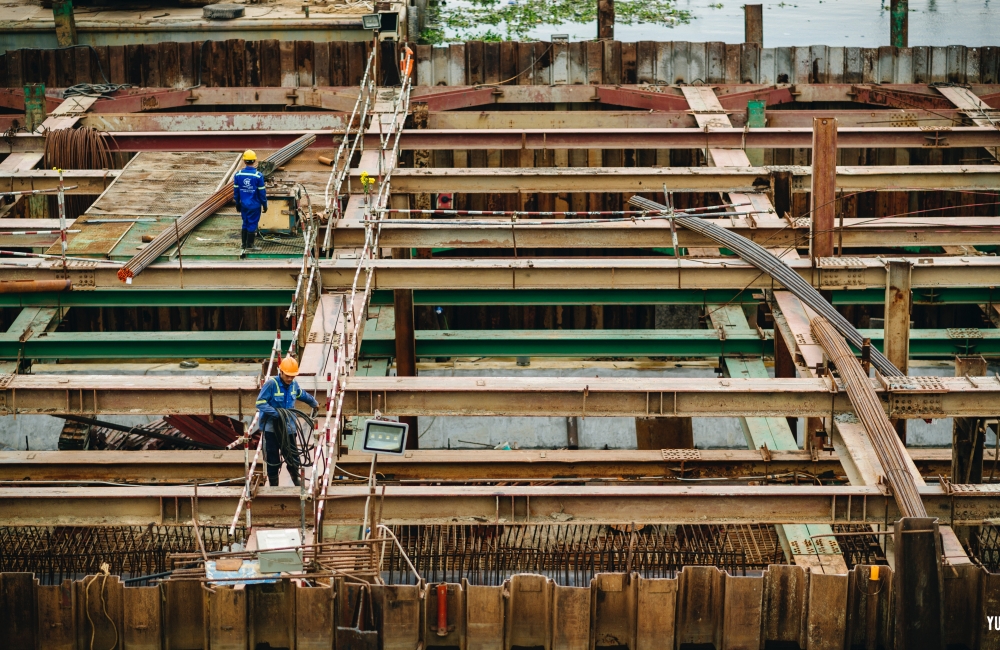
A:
(243, 242)
(252, 237)
(272, 480)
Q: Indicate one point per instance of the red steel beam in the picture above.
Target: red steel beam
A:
(511, 139)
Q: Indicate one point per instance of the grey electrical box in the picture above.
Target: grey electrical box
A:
(288, 559)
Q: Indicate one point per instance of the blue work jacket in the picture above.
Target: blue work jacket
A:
(248, 190)
(276, 394)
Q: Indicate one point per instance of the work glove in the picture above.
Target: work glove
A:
(265, 207)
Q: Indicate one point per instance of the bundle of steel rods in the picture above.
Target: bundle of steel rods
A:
(186, 223)
(868, 408)
(82, 148)
(768, 263)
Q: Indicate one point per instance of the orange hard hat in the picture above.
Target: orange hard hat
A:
(289, 366)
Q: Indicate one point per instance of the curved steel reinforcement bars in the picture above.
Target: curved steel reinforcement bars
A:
(768, 263)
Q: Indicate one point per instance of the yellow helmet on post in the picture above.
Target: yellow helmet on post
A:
(249, 155)
(289, 366)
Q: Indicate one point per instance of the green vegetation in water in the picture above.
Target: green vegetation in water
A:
(498, 20)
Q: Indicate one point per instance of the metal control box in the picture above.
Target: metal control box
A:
(287, 560)
(280, 215)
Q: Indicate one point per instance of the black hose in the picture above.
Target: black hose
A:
(768, 263)
(294, 431)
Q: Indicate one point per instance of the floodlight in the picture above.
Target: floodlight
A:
(385, 437)
(371, 21)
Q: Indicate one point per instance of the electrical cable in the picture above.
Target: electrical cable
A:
(294, 431)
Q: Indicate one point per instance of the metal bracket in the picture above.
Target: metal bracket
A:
(915, 395)
(964, 333)
(841, 272)
(680, 454)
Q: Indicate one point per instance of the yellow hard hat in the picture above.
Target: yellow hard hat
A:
(249, 155)
(289, 366)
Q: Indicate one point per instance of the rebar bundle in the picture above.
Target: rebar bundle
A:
(82, 148)
(187, 222)
(768, 263)
(867, 406)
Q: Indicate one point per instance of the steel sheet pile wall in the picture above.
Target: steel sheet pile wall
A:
(306, 63)
(786, 604)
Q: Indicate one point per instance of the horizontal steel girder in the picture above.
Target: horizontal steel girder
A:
(772, 233)
(300, 121)
(687, 179)
(162, 467)
(589, 273)
(21, 506)
(509, 396)
(924, 344)
(83, 181)
(142, 345)
(565, 138)
(247, 297)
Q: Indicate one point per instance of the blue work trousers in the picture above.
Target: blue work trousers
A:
(272, 456)
(250, 219)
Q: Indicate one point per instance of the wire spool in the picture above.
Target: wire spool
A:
(294, 431)
(82, 148)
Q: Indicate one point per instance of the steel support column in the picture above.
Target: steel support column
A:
(823, 197)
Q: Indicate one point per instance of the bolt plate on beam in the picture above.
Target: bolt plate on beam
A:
(974, 488)
(964, 333)
(680, 454)
(841, 271)
(817, 546)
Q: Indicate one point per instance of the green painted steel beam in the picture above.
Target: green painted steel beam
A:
(444, 298)
(143, 345)
(251, 297)
(924, 344)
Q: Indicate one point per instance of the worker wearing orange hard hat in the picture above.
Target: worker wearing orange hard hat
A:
(279, 392)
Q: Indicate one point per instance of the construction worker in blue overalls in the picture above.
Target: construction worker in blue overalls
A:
(279, 392)
(250, 197)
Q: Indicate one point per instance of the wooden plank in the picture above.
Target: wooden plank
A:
(142, 618)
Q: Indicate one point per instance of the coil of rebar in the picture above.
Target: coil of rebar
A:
(768, 263)
(82, 148)
(867, 406)
(187, 222)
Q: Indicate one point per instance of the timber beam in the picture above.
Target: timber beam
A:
(495, 396)
(734, 504)
(82, 181)
(455, 465)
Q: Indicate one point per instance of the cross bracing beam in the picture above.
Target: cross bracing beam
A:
(773, 233)
(143, 505)
(585, 273)
(565, 138)
(162, 467)
(688, 179)
(924, 343)
(81, 180)
(512, 396)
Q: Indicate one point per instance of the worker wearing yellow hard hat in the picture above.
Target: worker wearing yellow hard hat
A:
(279, 392)
(250, 197)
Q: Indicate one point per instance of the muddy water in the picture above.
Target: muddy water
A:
(854, 23)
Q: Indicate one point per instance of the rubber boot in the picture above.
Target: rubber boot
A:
(272, 479)
(252, 237)
(243, 242)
